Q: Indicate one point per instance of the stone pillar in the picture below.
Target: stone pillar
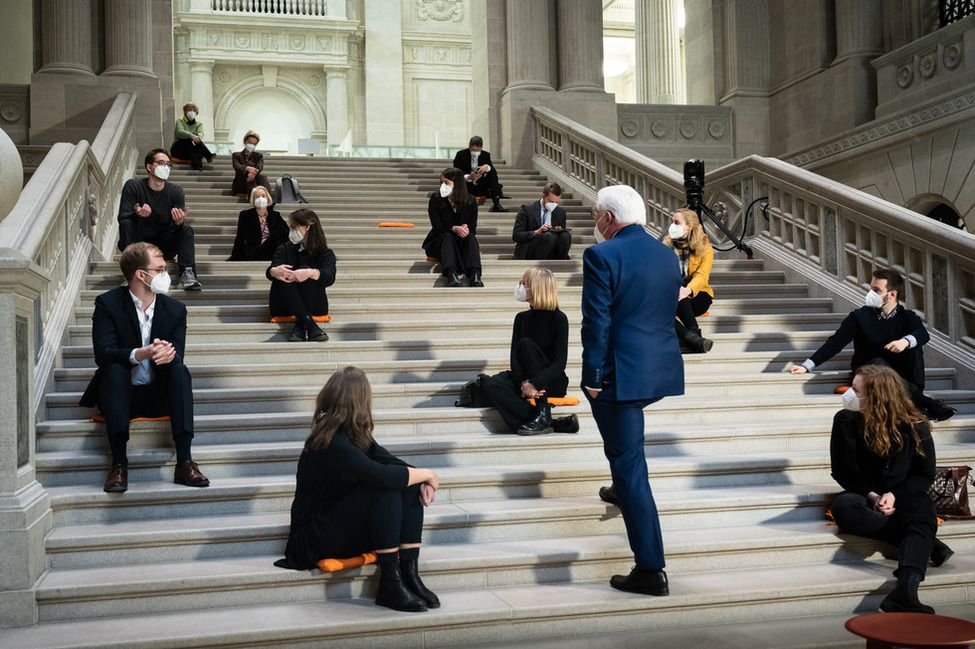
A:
(747, 74)
(337, 105)
(201, 87)
(530, 44)
(859, 29)
(66, 36)
(580, 45)
(128, 38)
(658, 59)
(384, 72)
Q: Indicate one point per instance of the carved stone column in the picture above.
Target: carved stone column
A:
(66, 36)
(384, 72)
(859, 28)
(128, 38)
(658, 59)
(530, 41)
(201, 85)
(580, 45)
(747, 73)
(337, 105)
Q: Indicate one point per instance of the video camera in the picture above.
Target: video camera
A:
(694, 183)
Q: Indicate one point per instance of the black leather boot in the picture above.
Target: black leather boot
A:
(903, 599)
(298, 333)
(696, 342)
(452, 278)
(542, 423)
(568, 424)
(476, 279)
(313, 331)
(940, 553)
(393, 593)
(411, 578)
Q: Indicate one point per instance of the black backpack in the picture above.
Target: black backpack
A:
(286, 190)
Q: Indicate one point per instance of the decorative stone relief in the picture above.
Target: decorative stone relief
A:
(629, 128)
(269, 42)
(324, 44)
(688, 129)
(952, 56)
(436, 54)
(10, 112)
(440, 10)
(242, 40)
(659, 128)
(315, 80)
(224, 78)
(716, 129)
(297, 42)
(928, 65)
(213, 39)
(905, 76)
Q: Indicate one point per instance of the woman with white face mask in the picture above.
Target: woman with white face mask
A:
(260, 229)
(248, 164)
(539, 351)
(687, 238)
(882, 455)
(453, 226)
(188, 145)
(301, 270)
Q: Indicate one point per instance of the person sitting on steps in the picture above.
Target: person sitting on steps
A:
(453, 228)
(687, 238)
(479, 172)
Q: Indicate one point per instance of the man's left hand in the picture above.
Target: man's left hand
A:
(162, 352)
(897, 346)
(178, 216)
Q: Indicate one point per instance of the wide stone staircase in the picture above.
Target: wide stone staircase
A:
(517, 544)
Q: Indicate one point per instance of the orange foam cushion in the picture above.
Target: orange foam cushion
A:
(185, 162)
(559, 401)
(396, 225)
(840, 389)
(432, 259)
(282, 319)
(100, 417)
(706, 313)
(332, 565)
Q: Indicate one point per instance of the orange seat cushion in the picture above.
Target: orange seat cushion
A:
(559, 401)
(840, 389)
(241, 195)
(432, 259)
(333, 565)
(282, 319)
(390, 224)
(185, 162)
(100, 417)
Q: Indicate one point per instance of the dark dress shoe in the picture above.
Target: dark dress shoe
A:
(413, 583)
(498, 208)
(646, 582)
(118, 479)
(453, 279)
(939, 411)
(568, 424)
(188, 473)
(476, 280)
(698, 343)
(940, 553)
(313, 331)
(394, 594)
(298, 333)
(608, 495)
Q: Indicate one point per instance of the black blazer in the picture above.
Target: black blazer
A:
(247, 243)
(528, 220)
(443, 217)
(115, 332)
(463, 160)
(288, 253)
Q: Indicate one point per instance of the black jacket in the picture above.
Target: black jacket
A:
(443, 217)
(528, 220)
(288, 253)
(247, 243)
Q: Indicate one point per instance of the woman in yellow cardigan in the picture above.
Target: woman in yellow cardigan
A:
(687, 238)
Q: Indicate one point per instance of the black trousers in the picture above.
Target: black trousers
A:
(178, 242)
(171, 393)
(188, 150)
(689, 309)
(503, 391)
(367, 520)
(488, 186)
(299, 299)
(912, 527)
(551, 244)
(461, 255)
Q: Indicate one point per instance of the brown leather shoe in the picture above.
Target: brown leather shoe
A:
(118, 479)
(188, 473)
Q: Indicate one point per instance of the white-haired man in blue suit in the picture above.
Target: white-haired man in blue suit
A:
(630, 359)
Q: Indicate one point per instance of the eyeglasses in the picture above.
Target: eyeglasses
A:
(153, 270)
(160, 163)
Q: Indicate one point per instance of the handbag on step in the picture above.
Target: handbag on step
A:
(949, 491)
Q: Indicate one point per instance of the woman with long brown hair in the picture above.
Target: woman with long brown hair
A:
(693, 248)
(300, 271)
(453, 226)
(352, 496)
(882, 455)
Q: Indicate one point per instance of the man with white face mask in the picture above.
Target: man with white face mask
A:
(138, 334)
(540, 231)
(154, 210)
(480, 174)
(884, 332)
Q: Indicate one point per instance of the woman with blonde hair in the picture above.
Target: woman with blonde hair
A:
(260, 230)
(687, 238)
(883, 456)
(352, 496)
(248, 167)
(539, 350)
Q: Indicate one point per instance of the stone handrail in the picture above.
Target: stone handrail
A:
(273, 7)
(817, 228)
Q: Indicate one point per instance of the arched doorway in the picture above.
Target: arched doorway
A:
(280, 114)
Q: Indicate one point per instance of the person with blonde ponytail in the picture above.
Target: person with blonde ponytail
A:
(352, 496)
(883, 456)
(687, 238)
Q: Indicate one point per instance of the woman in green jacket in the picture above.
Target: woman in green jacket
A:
(188, 139)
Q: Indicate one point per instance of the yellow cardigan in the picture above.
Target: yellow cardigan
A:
(699, 270)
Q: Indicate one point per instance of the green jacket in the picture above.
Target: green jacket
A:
(184, 129)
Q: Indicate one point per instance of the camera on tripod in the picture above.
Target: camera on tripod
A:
(694, 184)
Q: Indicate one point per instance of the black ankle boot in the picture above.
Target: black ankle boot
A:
(542, 423)
(568, 424)
(452, 278)
(412, 581)
(476, 279)
(298, 333)
(313, 331)
(903, 599)
(696, 342)
(392, 592)
(940, 553)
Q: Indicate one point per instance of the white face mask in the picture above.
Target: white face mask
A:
(475, 154)
(521, 294)
(250, 147)
(551, 206)
(675, 231)
(596, 231)
(260, 202)
(851, 401)
(160, 283)
(191, 115)
(296, 237)
(161, 172)
(873, 300)
(445, 190)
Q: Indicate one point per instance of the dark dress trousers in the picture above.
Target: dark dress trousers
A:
(630, 351)
(115, 333)
(903, 472)
(247, 243)
(306, 298)
(241, 159)
(348, 502)
(158, 228)
(462, 255)
(551, 244)
(488, 185)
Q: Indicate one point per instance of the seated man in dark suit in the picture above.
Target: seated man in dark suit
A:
(540, 231)
(138, 334)
(479, 172)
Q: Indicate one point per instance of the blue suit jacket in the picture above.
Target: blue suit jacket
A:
(629, 298)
